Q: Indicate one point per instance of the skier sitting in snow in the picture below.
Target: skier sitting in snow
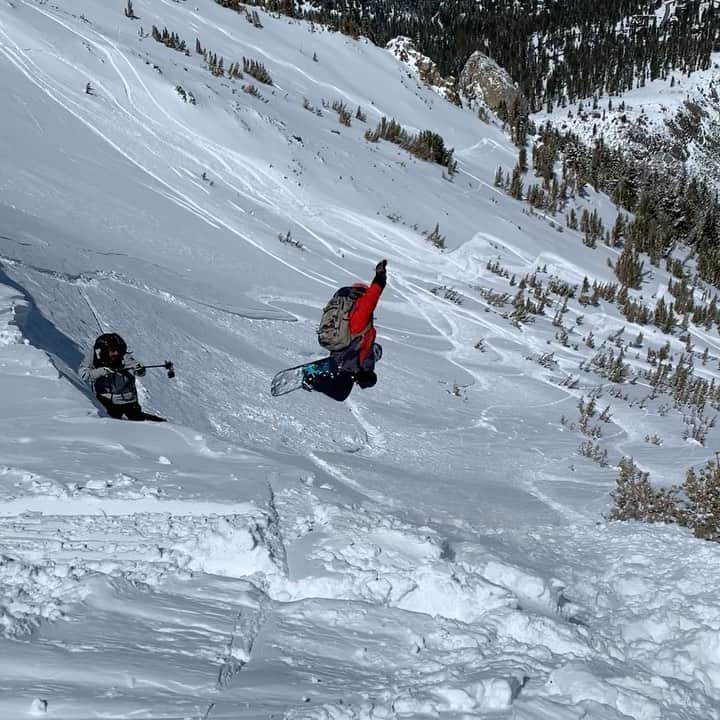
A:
(111, 371)
(355, 362)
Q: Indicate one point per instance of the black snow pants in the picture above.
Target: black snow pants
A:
(132, 411)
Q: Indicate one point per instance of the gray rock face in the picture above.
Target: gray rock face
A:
(483, 82)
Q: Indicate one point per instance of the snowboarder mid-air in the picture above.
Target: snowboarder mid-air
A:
(111, 371)
(347, 331)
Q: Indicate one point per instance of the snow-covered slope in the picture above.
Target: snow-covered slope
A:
(433, 547)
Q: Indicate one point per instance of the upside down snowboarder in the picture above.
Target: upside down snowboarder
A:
(347, 331)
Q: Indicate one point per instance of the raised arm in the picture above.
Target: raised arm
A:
(365, 305)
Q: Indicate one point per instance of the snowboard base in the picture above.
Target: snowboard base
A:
(291, 379)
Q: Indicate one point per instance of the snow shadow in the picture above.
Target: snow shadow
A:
(65, 354)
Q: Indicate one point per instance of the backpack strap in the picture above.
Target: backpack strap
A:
(363, 331)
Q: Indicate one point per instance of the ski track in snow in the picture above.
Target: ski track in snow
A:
(23, 63)
(376, 439)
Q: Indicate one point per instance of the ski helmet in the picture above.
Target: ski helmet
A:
(107, 342)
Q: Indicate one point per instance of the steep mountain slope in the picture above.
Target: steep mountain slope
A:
(671, 124)
(433, 547)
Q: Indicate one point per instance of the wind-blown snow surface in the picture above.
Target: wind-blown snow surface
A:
(434, 547)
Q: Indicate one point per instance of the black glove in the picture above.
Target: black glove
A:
(139, 370)
(380, 274)
(365, 378)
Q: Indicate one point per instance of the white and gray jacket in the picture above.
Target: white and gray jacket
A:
(118, 387)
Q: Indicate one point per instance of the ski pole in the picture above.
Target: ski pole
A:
(167, 365)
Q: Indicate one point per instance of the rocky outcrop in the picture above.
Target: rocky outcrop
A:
(484, 84)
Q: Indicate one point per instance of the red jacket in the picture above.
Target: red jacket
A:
(361, 317)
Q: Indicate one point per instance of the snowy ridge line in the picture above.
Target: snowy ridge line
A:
(82, 279)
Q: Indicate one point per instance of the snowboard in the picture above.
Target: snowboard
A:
(291, 379)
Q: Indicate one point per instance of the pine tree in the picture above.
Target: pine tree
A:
(516, 184)
(636, 499)
(522, 159)
(703, 500)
